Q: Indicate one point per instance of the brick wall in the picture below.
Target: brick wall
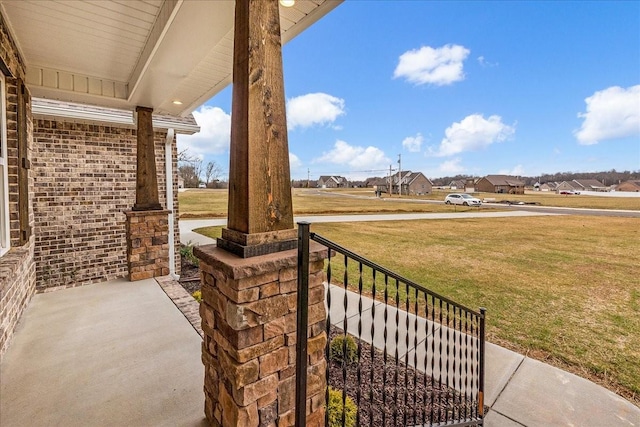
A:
(85, 177)
(17, 270)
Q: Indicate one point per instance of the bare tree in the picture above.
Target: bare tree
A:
(212, 172)
(189, 168)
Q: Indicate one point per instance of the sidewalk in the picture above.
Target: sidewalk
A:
(519, 391)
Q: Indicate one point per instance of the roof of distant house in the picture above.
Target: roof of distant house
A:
(504, 180)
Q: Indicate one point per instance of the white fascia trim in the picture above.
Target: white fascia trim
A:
(45, 107)
(69, 111)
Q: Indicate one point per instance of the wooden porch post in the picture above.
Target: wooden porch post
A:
(146, 178)
(260, 211)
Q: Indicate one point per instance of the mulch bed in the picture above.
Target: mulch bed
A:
(189, 276)
(397, 395)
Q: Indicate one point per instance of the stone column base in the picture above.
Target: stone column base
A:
(248, 312)
(147, 244)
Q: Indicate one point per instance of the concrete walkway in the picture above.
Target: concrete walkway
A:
(188, 236)
(519, 391)
(111, 354)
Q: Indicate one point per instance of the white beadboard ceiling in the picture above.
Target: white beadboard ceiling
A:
(124, 53)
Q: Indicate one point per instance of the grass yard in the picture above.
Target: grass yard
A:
(560, 289)
(201, 203)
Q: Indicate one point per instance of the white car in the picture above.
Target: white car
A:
(462, 199)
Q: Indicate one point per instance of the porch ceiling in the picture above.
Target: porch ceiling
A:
(124, 53)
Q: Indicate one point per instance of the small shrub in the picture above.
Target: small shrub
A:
(337, 349)
(197, 295)
(186, 252)
(335, 408)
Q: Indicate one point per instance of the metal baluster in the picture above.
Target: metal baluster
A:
(345, 282)
(483, 312)
(460, 372)
(467, 316)
(384, 354)
(415, 359)
(358, 370)
(397, 355)
(440, 367)
(406, 357)
(373, 351)
(425, 397)
(433, 356)
(327, 354)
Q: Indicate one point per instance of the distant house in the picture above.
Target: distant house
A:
(500, 184)
(631, 186)
(549, 186)
(180, 182)
(380, 185)
(411, 183)
(591, 185)
(415, 183)
(578, 185)
(457, 184)
(332, 181)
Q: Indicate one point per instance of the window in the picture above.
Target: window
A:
(4, 184)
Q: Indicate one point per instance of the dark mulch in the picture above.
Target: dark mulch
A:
(392, 394)
(189, 276)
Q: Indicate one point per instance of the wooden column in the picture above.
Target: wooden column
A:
(260, 210)
(146, 178)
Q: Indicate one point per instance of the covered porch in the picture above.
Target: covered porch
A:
(110, 354)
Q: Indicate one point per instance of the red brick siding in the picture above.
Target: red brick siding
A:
(17, 269)
(85, 177)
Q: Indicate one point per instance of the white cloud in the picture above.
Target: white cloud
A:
(356, 158)
(413, 143)
(452, 166)
(313, 109)
(214, 135)
(294, 162)
(611, 113)
(473, 133)
(438, 66)
(516, 171)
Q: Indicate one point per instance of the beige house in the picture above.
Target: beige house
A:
(500, 184)
(412, 183)
(631, 186)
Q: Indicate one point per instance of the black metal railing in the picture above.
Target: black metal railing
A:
(398, 353)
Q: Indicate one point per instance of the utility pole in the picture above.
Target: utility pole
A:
(400, 174)
(390, 187)
(308, 175)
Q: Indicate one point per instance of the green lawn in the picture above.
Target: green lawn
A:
(561, 289)
(201, 203)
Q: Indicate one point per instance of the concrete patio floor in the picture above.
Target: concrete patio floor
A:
(110, 354)
(121, 354)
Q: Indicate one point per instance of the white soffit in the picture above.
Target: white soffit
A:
(123, 53)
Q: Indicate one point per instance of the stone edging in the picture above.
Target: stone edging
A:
(189, 307)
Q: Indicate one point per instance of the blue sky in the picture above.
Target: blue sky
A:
(469, 87)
